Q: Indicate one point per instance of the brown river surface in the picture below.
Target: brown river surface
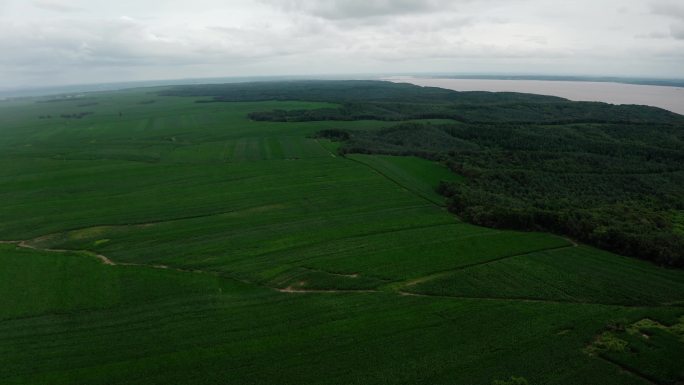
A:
(669, 98)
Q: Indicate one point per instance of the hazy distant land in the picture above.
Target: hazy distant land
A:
(663, 93)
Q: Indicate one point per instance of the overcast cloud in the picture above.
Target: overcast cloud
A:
(52, 42)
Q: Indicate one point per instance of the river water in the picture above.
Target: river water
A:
(669, 98)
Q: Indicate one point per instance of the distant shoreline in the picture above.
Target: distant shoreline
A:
(670, 98)
(562, 78)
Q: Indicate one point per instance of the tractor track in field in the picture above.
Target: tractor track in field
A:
(527, 300)
(630, 370)
(410, 190)
(443, 273)
(326, 150)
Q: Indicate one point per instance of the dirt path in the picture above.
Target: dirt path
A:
(289, 289)
(102, 258)
(351, 275)
(572, 242)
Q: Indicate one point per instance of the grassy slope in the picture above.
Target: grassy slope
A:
(200, 187)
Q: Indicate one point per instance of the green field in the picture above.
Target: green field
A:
(161, 241)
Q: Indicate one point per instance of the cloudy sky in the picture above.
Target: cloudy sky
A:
(54, 42)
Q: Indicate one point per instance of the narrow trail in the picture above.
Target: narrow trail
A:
(444, 273)
(572, 241)
(102, 258)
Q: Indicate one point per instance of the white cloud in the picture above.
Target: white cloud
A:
(71, 41)
(354, 9)
(677, 31)
(670, 9)
(56, 7)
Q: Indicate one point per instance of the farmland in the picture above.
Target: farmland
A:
(151, 239)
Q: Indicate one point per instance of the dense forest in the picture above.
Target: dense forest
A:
(373, 100)
(607, 175)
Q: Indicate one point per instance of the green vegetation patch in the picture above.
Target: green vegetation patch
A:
(646, 348)
(679, 222)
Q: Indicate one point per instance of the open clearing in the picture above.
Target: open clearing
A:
(247, 252)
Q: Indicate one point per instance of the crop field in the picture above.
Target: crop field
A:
(156, 240)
